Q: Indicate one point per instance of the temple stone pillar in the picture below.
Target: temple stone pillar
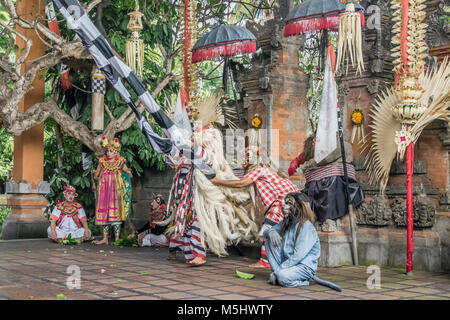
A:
(27, 189)
(275, 88)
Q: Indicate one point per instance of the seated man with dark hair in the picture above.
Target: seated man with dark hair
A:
(152, 234)
(293, 245)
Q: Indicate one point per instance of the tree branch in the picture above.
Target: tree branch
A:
(91, 5)
(110, 115)
(16, 123)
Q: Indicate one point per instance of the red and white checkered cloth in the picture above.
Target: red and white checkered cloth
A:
(272, 190)
(270, 186)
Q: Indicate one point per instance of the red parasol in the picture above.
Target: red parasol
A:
(224, 41)
(316, 15)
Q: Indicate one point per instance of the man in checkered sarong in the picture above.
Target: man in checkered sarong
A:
(188, 239)
(272, 189)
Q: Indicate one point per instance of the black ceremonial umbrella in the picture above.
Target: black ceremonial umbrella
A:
(224, 41)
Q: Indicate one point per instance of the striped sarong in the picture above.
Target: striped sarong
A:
(182, 192)
(330, 170)
(190, 243)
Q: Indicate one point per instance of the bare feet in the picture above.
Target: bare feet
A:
(197, 261)
(103, 241)
(256, 265)
(172, 255)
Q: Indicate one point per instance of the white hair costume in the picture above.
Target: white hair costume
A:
(220, 211)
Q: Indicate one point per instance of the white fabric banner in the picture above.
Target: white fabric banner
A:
(328, 123)
(181, 118)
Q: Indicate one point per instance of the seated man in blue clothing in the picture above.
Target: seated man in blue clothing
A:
(293, 246)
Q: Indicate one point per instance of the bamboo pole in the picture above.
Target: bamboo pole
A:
(350, 206)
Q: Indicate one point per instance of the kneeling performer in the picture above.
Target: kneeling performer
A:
(293, 246)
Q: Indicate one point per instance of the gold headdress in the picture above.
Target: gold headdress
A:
(70, 189)
(113, 144)
(210, 110)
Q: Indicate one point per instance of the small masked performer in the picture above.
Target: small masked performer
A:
(114, 190)
(152, 234)
(189, 239)
(68, 217)
(325, 184)
(272, 189)
(293, 246)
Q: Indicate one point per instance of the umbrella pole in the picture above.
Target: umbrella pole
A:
(347, 191)
(234, 91)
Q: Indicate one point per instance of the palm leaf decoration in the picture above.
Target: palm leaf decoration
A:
(382, 146)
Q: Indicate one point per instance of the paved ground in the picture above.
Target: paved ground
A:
(37, 269)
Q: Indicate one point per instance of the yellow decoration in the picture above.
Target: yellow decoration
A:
(357, 117)
(256, 121)
(111, 167)
(114, 144)
(358, 125)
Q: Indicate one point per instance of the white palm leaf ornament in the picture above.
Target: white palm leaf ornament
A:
(382, 145)
(383, 149)
(401, 113)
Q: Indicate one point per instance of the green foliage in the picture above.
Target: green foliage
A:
(161, 34)
(69, 241)
(126, 242)
(71, 172)
(6, 155)
(244, 275)
(4, 212)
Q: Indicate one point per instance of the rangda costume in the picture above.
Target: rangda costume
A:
(217, 215)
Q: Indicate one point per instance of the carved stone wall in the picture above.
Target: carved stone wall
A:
(431, 168)
(381, 212)
(275, 88)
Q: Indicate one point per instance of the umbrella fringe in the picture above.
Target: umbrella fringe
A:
(316, 24)
(223, 50)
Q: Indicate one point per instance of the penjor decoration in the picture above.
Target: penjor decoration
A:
(349, 44)
(135, 45)
(418, 98)
(190, 78)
